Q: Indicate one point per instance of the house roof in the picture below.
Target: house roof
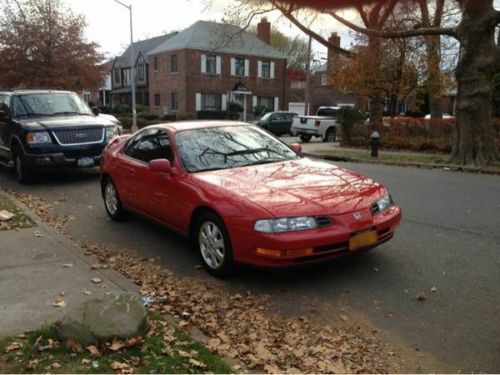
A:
(142, 47)
(218, 37)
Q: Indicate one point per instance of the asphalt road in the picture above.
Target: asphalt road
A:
(449, 239)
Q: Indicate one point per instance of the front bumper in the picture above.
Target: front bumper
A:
(65, 156)
(326, 243)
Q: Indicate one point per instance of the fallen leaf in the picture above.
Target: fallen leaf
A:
(96, 280)
(344, 317)
(13, 346)
(375, 269)
(59, 303)
(184, 354)
(32, 364)
(38, 233)
(272, 369)
(93, 350)
(6, 215)
(117, 345)
(86, 292)
(196, 363)
(85, 361)
(56, 365)
(421, 296)
(68, 265)
(434, 289)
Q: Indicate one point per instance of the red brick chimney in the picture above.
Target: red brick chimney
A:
(264, 30)
(334, 39)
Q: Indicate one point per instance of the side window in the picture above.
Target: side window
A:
(18, 108)
(153, 144)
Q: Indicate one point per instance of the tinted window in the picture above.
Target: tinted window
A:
(150, 145)
(327, 112)
(49, 104)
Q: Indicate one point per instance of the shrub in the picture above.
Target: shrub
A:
(141, 108)
(348, 118)
(185, 116)
(149, 116)
(169, 117)
(260, 110)
(126, 122)
(122, 109)
(212, 115)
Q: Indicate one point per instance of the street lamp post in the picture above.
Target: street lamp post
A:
(132, 67)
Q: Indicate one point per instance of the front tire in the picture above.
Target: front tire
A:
(24, 174)
(213, 245)
(112, 201)
(305, 137)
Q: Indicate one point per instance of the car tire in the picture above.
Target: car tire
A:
(112, 201)
(305, 137)
(213, 245)
(24, 174)
(330, 136)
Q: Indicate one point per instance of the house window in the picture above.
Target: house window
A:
(324, 80)
(211, 67)
(127, 81)
(266, 101)
(155, 63)
(239, 67)
(141, 72)
(266, 69)
(157, 100)
(173, 64)
(211, 102)
(174, 101)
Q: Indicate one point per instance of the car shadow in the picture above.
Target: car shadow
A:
(57, 177)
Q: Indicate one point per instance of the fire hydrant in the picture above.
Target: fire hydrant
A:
(374, 143)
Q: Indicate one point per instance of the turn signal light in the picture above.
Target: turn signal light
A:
(283, 253)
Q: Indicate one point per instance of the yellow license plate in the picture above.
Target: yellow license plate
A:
(364, 239)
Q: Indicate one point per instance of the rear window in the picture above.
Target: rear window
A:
(327, 112)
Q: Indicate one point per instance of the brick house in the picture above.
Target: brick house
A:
(210, 65)
(121, 74)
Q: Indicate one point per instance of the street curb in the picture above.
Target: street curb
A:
(113, 276)
(446, 167)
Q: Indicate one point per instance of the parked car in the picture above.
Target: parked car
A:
(243, 196)
(49, 128)
(323, 125)
(278, 123)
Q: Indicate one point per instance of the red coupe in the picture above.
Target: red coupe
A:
(243, 196)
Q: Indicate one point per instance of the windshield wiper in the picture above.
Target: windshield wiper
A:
(251, 151)
(34, 114)
(70, 113)
(267, 161)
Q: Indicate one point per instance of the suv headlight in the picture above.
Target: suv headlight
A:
(288, 224)
(111, 131)
(384, 203)
(38, 137)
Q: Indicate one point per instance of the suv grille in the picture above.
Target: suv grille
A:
(79, 136)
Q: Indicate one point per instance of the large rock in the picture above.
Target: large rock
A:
(104, 319)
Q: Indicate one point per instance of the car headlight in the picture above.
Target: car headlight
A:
(384, 203)
(111, 131)
(38, 137)
(288, 224)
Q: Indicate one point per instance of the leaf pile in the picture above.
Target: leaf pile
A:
(242, 327)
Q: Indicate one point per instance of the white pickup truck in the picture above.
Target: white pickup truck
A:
(324, 125)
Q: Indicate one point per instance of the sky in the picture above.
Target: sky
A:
(108, 21)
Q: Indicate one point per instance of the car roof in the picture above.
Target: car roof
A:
(32, 91)
(199, 124)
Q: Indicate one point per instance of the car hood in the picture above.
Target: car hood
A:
(298, 187)
(57, 122)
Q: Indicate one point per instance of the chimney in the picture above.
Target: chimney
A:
(264, 30)
(334, 39)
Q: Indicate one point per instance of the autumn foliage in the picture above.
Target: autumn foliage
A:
(42, 45)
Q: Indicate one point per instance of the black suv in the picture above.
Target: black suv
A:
(48, 128)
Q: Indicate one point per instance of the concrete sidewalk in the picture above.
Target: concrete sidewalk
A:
(39, 266)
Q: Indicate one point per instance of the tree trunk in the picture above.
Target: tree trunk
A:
(376, 112)
(474, 138)
(433, 44)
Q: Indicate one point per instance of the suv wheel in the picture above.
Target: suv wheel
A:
(24, 174)
(330, 136)
(213, 245)
(305, 137)
(112, 200)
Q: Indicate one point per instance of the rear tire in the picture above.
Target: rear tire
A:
(24, 174)
(112, 201)
(330, 136)
(213, 245)
(305, 137)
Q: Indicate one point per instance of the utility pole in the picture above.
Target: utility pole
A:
(132, 67)
(308, 79)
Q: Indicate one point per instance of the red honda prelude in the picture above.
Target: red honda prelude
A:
(243, 196)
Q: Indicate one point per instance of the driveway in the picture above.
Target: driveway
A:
(448, 242)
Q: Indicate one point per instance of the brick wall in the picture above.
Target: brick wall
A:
(189, 80)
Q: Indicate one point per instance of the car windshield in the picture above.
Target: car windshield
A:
(229, 147)
(50, 104)
(266, 116)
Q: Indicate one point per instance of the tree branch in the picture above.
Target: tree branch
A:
(397, 33)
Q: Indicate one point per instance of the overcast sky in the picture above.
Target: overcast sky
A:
(108, 22)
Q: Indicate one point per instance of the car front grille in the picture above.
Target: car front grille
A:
(79, 136)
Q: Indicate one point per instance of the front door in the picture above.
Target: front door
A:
(4, 125)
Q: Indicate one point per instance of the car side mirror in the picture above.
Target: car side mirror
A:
(95, 110)
(297, 148)
(3, 115)
(161, 166)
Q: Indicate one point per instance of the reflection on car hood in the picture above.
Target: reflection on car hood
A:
(298, 187)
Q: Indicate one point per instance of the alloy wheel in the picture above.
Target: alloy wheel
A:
(111, 198)
(211, 244)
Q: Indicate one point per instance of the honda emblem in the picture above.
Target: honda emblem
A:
(358, 216)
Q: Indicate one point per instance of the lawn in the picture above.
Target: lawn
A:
(164, 350)
(20, 220)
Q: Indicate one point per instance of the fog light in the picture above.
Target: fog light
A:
(269, 252)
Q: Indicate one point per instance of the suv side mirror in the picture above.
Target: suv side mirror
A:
(3, 115)
(161, 166)
(296, 147)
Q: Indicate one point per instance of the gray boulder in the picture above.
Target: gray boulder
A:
(116, 316)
